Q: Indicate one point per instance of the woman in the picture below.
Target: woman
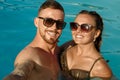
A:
(81, 59)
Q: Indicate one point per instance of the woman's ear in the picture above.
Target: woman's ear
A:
(97, 33)
(36, 21)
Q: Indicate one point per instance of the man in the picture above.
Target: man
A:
(38, 61)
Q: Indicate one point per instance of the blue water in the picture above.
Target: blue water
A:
(17, 28)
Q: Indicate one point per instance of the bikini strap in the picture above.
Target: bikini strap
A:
(94, 64)
(64, 64)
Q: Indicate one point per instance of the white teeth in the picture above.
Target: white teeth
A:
(52, 33)
(79, 36)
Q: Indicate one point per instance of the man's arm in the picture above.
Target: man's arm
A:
(23, 65)
(21, 71)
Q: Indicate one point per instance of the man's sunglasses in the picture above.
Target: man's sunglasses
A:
(83, 27)
(48, 22)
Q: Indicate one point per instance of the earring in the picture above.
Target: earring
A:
(94, 40)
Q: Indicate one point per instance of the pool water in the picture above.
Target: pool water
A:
(17, 28)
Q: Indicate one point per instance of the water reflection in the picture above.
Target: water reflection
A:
(85, 5)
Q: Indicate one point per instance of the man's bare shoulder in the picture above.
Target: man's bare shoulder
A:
(27, 54)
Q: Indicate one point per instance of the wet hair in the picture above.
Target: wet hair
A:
(99, 26)
(51, 4)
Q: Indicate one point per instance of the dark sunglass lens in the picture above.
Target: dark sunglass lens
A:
(73, 26)
(85, 27)
(60, 24)
(48, 22)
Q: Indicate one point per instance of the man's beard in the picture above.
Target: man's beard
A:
(50, 41)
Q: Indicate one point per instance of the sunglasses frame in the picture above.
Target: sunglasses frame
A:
(54, 21)
(88, 29)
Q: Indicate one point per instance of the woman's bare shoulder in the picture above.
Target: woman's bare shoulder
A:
(101, 68)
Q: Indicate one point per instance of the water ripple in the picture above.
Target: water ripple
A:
(109, 20)
(70, 15)
(112, 52)
(86, 5)
(2, 1)
(16, 5)
(106, 35)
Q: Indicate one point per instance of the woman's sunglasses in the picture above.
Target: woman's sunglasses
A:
(83, 27)
(48, 22)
